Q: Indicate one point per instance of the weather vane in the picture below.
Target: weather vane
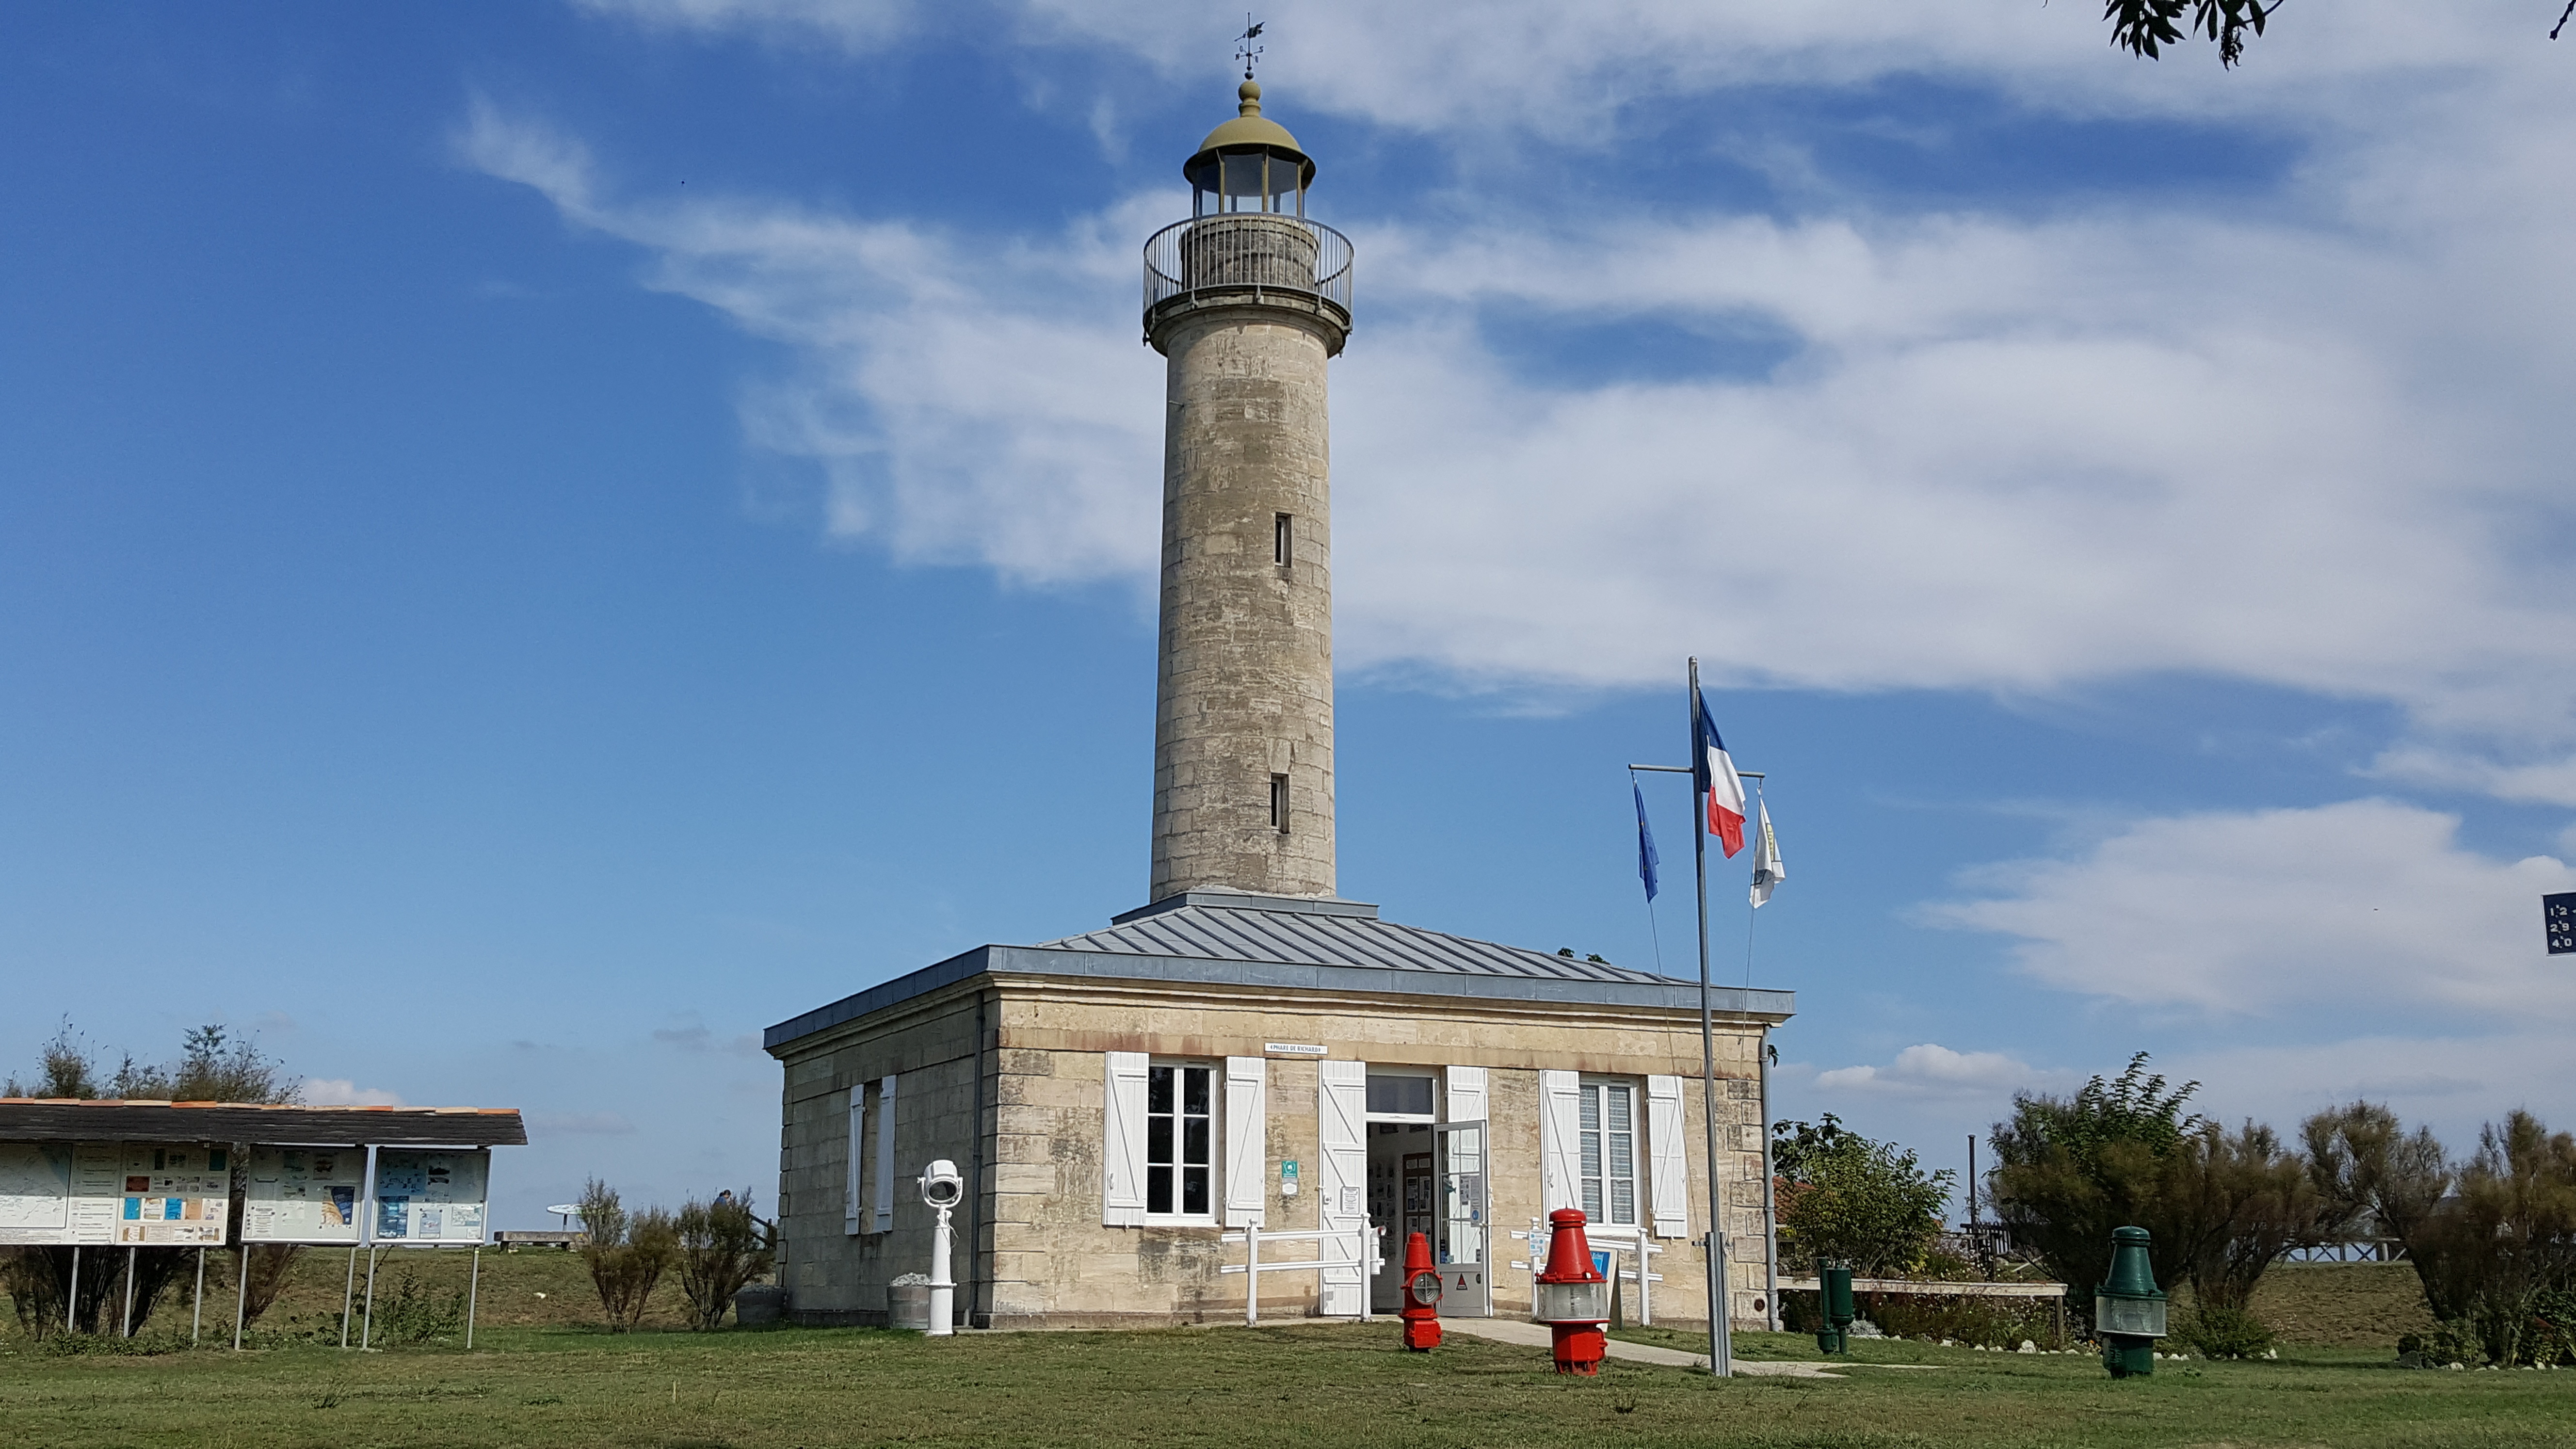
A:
(1244, 49)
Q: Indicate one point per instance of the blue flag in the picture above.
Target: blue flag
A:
(1647, 860)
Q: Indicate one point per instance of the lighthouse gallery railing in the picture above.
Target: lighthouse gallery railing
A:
(1252, 251)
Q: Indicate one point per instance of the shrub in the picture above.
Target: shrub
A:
(2220, 1330)
(412, 1314)
(1843, 1196)
(721, 1247)
(2221, 1205)
(627, 1253)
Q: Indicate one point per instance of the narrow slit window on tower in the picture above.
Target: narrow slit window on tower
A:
(1279, 803)
(1282, 536)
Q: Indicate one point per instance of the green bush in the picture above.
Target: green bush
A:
(2218, 1331)
(412, 1314)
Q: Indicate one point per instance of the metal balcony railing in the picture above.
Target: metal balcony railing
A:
(1253, 251)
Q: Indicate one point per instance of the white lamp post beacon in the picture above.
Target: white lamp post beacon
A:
(942, 1188)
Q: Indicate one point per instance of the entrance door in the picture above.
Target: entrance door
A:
(1462, 1243)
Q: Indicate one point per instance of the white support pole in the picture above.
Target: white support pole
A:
(71, 1295)
(126, 1330)
(943, 1288)
(473, 1288)
(348, 1295)
(367, 1325)
(197, 1304)
(1252, 1275)
(1364, 1252)
(241, 1296)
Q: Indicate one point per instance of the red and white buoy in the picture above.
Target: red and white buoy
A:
(1573, 1296)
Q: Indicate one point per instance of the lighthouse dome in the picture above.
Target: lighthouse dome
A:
(1251, 158)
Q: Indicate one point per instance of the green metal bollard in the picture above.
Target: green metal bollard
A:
(1834, 1303)
(2128, 1308)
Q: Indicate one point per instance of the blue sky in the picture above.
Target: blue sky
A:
(539, 541)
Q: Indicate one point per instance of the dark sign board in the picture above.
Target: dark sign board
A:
(2558, 914)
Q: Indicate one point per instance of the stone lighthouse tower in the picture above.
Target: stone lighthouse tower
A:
(1248, 299)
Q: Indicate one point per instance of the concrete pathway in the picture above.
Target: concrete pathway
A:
(1536, 1335)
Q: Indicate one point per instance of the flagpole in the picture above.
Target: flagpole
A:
(1720, 1348)
(1762, 1072)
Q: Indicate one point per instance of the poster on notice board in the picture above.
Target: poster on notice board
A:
(304, 1195)
(431, 1195)
(35, 1193)
(151, 1194)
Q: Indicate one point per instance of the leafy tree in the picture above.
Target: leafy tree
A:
(721, 1247)
(1845, 1196)
(64, 1069)
(2498, 1258)
(2145, 27)
(213, 1065)
(2219, 1206)
(2069, 1171)
(2373, 1178)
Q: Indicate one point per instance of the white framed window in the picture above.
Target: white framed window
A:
(1606, 1134)
(1180, 1141)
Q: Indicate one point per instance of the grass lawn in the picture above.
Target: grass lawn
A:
(1312, 1385)
(541, 1375)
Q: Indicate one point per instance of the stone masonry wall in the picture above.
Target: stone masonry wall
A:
(1244, 686)
(1042, 1256)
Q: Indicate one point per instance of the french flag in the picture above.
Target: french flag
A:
(1717, 780)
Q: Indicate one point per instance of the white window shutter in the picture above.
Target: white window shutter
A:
(1341, 1119)
(1667, 1157)
(885, 1156)
(1466, 1094)
(1122, 1143)
(1560, 1141)
(857, 1154)
(1247, 1153)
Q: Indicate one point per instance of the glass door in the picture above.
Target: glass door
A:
(1462, 1245)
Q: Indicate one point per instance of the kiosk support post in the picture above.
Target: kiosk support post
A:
(241, 1296)
(367, 1324)
(71, 1295)
(197, 1304)
(125, 1329)
(473, 1288)
(348, 1295)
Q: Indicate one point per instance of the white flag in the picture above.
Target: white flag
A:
(1767, 869)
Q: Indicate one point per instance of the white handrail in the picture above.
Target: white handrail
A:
(1635, 1241)
(1367, 1259)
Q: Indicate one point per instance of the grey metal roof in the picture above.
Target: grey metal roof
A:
(1210, 926)
(1219, 938)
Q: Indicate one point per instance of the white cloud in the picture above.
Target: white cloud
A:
(2546, 782)
(1570, 72)
(2368, 907)
(1932, 1070)
(345, 1092)
(2315, 445)
(2451, 1082)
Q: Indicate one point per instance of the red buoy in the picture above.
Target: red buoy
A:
(1573, 1296)
(1421, 1310)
